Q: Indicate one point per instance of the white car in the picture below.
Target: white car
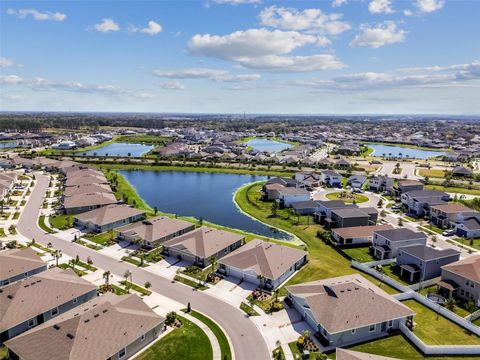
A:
(449, 232)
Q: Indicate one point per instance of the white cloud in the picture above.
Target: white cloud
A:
(37, 15)
(338, 3)
(173, 85)
(5, 62)
(380, 7)
(308, 19)
(428, 6)
(407, 12)
(106, 26)
(276, 63)
(379, 35)
(206, 73)
(153, 28)
(10, 79)
(435, 76)
(236, 2)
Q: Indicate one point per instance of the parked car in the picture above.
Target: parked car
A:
(449, 232)
(396, 207)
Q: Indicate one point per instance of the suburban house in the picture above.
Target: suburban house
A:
(18, 264)
(76, 180)
(446, 215)
(155, 231)
(344, 354)
(331, 178)
(461, 171)
(77, 204)
(418, 202)
(35, 300)
(269, 191)
(469, 227)
(307, 179)
(7, 181)
(347, 310)
(308, 207)
(352, 216)
(408, 185)
(357, 234)
(289, 195)
(380, 183)
(356, 181)
(108, 217)
(86, 189)
(107, 327)
(462, 279)
(387, 242)
(325, 209)
(421, 262)
(263, 263)
(201, 245)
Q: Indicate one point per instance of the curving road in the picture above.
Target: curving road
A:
(246, 338)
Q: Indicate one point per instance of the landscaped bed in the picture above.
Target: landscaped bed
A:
(43, 226)
(347, 197)
(105, 238)
(247, 309)
(194, 284)
(135, 287)
(134, 261)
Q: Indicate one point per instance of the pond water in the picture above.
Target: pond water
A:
(395, 151)
(8, 144)
(267, 145)
(201, 195)
(119, 149)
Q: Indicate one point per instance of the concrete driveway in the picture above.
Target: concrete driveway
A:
(248, 342)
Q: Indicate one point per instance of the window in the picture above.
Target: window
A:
(142, 337)
(31, 322)
(354, 331)
(390, 323)
(54, 311)
(26, 274)
(372, 328)
(122, 353)
(75, 300)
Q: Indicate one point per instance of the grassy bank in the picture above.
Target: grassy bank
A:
(324, 261)
(408, 146)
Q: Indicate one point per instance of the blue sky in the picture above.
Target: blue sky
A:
(235, 56)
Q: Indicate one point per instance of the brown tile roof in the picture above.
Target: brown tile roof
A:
(204, 242)
(155, 228)
(469, 268)
(18, 261)
(267, 259)
(91, 199)
(109, 214)
(360, 231)
(453, 208)
(86, 188)
(95, 330)
(348, 302)
(86, 179)
(344, 354)
(39, 293)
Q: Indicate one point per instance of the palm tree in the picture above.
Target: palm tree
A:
(106, 276)
(261, 278)
(213, 263)
(57, 254)
(274, 208)
(126, 275)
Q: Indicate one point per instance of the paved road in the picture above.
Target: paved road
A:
(408, 170)
(248, 343)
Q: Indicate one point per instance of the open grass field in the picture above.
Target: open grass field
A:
(324, 261)
(187, 342)
(61, 222)
(360, 254)
(453, 189)
(433, 328)
(433, 173)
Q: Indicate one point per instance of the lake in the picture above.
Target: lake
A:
(120, 149)
(201, 195)
(267, 145)
(8, 144)
(395, 151)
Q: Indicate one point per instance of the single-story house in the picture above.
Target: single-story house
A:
(107, 327)
(419, 202)
(461, 171)
(357, 234)
(86, 189)
(331, 178)
(387, 242)
(269, 191)
(201, 245)
(347, 310)
(18, 264)
(352, 216)
(289, 195)
(446, 215)
(108, 217)
(408, 185)
(85, 179)
(421, 262)
(155, 231)
(35, 300)
(469, 227)
(263, 263)
(462, 279)
(308, 207)
(85, 202)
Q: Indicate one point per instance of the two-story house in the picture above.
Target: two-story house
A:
(419, 202)
(461, 279)
(387, 242)
(380, 183)
(331, 178)
(446, 215)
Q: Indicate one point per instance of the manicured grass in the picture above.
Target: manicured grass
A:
(3, 353)
(61, 222)
(147, 139)
(278, 353)
(105, 238)
(477, 322)
(123, 190)
(398, 347)
(40, 246)
(218, 332)
(296, 351)
(2, 232)
(432, 328)
(86, 244)
(394, 273)
(324, 261)
(350, 198)
(16, 215)
(118, 290)
(86, 266)
(43, 226)
(360, 254)
(133, 261)
(141, 290)
(193, 284)
(247, 309)
(433, 173)
(269, 305)
(77, 270)
(154, 255)
(453, 189)
(187, 342)
(13, 230)
(198, 273)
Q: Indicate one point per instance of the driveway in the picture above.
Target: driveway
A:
(248, 342)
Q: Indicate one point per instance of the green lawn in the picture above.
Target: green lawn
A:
(188, 282)
(61, 222)
(2, 232)
(188, 342)
(123, 190)
(68, 266)
(43, 226)
(296, 351)
(433, 328)
(105, 238)
(133, 261)
(324, 261)
(141, 290)
(198, 273)
(433, 173)
(360, 254)
(394, 273)
(453, 189)
(278, 353)
(349, 198)
(247, 309)
(218, 332)
(399, 347)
